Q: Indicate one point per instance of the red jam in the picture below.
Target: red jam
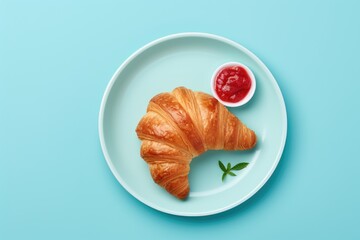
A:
(232, 83)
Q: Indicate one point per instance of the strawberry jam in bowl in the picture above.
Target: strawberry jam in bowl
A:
(233, 84)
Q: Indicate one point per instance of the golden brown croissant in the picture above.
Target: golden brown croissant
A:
(181, 125)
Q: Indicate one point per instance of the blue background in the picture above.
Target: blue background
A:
(56, 58)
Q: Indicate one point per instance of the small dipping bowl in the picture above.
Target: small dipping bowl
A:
(249, 94)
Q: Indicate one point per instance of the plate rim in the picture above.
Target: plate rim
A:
(132, 57)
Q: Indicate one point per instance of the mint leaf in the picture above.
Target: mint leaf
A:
(239, 166)
(223, 176)
(222, 166)
(228, 167)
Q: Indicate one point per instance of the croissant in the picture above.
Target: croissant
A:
(181, 125)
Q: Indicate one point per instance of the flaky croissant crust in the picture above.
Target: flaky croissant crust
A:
(181, 125)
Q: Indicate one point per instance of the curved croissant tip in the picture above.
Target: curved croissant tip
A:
(248, 141)
(184, 194)
(254, 140)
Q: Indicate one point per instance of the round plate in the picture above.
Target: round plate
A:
(189, 59)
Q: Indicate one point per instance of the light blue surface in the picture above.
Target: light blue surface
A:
(56, 59)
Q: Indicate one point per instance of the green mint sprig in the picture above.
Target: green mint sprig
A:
(228, 169)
